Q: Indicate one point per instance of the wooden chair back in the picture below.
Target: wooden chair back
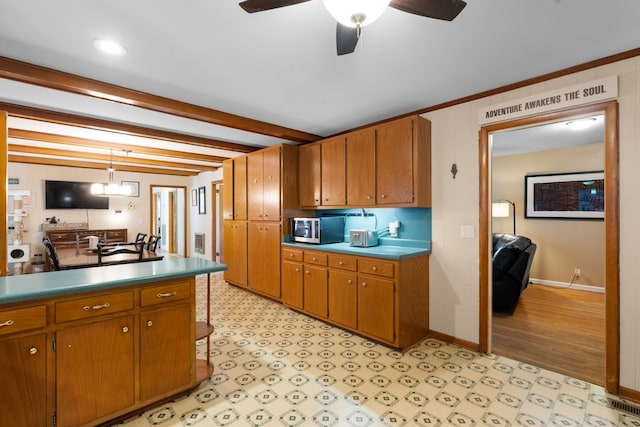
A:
(107, 250)
(152, 242)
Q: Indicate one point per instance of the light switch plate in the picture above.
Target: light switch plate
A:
(467, 232)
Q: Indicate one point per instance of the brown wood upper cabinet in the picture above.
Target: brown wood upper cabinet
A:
(234, 195)
(263, 185)
(384, 165)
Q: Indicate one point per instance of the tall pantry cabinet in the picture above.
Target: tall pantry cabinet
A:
(270, 186)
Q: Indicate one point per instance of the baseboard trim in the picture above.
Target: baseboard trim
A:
(453, 340)
(629, 394)
(576, 286)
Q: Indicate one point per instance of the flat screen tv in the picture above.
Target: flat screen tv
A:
(72, 195)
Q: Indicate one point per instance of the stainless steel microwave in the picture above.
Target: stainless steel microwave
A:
(318, 230)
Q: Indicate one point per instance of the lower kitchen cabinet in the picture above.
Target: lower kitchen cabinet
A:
(386, 300)
(24, 381)
(87, 358)
(94, 370)
(264, 239)
(234, 253)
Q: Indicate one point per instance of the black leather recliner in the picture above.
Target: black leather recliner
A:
(512, 258)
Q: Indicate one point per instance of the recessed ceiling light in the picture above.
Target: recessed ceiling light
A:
(580, 124)
(109, 46)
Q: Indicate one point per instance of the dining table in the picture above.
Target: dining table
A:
(69, 258)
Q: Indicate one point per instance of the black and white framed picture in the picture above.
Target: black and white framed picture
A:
(202, 201)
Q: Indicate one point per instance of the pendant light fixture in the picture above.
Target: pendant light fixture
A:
(111, 189)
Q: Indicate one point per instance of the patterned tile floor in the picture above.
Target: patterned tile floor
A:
(277, 367)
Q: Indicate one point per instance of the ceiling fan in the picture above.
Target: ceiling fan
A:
(352, 15)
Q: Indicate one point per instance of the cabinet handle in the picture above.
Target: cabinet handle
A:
(7, 323)
(369, 197)
(349, 281)
(149, 323)
(291, 255)
(382, 196)
(364, 284)
(326, 200)
(340, 263)
(374, 268)
(306, 272)
(314, 258)
(297, 270)
(166, 295)
(125, 329)
(33, 350)
(96, 307)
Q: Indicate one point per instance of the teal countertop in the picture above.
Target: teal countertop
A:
(43, 285)
(385, 251)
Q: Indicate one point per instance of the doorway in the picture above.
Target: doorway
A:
(611, 225)
(169, 217)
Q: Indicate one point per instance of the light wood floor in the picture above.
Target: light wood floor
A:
(554, 328)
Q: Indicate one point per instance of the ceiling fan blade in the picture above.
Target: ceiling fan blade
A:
(252, 6)
(346, 39)
(446, 10)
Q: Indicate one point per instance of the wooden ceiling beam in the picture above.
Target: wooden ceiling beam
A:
(98, 166)
(58, 80)
(92, 143)
(40, 151)
(68, 119)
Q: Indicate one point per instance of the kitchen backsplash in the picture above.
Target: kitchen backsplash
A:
(415, 223)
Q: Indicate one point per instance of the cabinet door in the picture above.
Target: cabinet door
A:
(361, 168)
(234, 253)
(264, 257)
(271, 187)
(23, 375)
(94, 370)
(333, 172)
(292, 284)
(315, 290)
(394, 162)
(228, 190)
(343, 298)
(166, 357)
(376, 302)
(239, 188)
(309, 175)
(255, 186)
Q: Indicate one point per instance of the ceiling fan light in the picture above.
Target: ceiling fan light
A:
(352, 13)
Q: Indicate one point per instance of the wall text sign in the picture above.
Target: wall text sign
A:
(558, 99)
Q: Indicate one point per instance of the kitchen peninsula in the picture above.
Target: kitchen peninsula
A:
(83, 347)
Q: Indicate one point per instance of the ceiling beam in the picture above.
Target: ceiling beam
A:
(66, 154)
(53, 79)
(90, 165)
(39, 114)
(91, 143)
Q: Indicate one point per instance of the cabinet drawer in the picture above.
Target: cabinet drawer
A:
(170, 292)
(87, 233)
(23, 319)
(377, 267)
(60, 236)
(291, 255)
(343, 262)
(316, 258)
(84, 308)
(120, 235)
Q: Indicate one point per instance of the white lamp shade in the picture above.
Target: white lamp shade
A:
(343, 10)
(500, 209)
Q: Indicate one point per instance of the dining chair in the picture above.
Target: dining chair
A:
(51, 253)
(140, 237)
(152, 242)
(107, 250)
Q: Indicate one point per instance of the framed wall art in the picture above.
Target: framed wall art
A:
(571, 195)
(202, 201)
(135, 187)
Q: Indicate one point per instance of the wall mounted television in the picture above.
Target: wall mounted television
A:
(72, 195)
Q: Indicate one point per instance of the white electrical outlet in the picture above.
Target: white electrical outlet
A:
(577, 272)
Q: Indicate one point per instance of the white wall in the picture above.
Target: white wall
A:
(135, 220)
(202, 223)
(454, 276)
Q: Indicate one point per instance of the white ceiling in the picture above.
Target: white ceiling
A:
(280, 66)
